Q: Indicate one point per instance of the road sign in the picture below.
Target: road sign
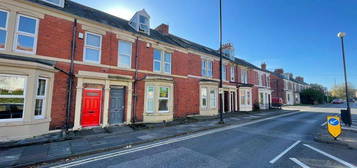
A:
(334, 126)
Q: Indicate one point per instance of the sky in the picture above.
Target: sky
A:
(299, 36)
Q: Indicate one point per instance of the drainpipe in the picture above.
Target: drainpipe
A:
(71, 76)
(135, 97)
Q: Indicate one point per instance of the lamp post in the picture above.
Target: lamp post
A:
(220, 66)
(345, 114)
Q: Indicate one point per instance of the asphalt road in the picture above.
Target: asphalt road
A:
(277, 142)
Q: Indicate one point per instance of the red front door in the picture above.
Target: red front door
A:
(91, 106)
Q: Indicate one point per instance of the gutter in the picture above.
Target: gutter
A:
(71, 76)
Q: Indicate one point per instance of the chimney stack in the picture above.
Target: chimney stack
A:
(279, 71)
(163, 29)
(299, 78)
(264, 66)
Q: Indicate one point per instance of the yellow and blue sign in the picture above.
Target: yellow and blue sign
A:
(334, 126)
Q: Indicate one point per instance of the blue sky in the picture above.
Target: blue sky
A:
(296, 35)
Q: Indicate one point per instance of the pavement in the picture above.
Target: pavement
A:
(96, 141)
(285, 140)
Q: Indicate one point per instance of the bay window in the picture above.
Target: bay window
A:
(245, 97)
(125, 51)
(203, 97)
(40, 105)
(206, 69)
(208, 98)
(92, 47)
(157, 99)
(213, 98)
(3, 28)
(164, 99)
(162, 61)
(26, 34)
(12, 96)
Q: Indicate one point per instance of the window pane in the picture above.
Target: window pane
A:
(163, 105)
(11, 108)
(168, 57)
(38, 107)
(204, 96)
(150, 99)
(164, 92)
(143, 19)
(92, 55)
(27, 25)
(157, 66)
(54, 1)
(93, 40)
(125, 48)
(209, 73)
(213, 98)
(167, 68)
(203, 68)
(3, 18)
(124, 61)
(25, 43)
(2, 38)
(12, 85)
(41, 87)
(157, 55)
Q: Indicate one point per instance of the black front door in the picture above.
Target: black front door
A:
(116, 107)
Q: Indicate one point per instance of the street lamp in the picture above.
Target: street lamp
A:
(220, 66)
(345, 114)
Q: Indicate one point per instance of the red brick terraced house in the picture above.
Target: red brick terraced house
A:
(67, 66)
(285, 86)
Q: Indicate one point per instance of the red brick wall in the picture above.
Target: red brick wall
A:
(54, 33)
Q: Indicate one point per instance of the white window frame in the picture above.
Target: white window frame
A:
(164, 98)
(244, 76)
(125, 55)
(268, 81)
(148, 97)
(206, 68)
(5, 28)
(61, 3)
(162, 61)
(214, 98)
(17, 32)
(224, 72)
(43, 98)
(16, 96)
(204, 97)
(92, 47)
(232, 73)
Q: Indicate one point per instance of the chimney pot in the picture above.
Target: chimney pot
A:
(264, 66)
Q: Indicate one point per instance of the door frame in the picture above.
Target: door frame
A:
(100, 106)
(124, 103)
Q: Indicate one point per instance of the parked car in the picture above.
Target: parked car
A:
(337, 101)
(277, 102)
(351, 100)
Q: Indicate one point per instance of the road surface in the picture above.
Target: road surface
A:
(285, 141)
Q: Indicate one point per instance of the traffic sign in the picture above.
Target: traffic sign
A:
(334, 126)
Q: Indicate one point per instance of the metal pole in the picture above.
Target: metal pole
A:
(346, 85)
(220, 66)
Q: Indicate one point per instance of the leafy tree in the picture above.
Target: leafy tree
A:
(339, 91)
(315, 94)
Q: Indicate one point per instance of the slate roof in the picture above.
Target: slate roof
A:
(105, 18)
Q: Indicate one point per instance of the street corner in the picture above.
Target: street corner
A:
(347, 138)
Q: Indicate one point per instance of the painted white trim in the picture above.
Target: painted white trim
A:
(43, 98)
(17, 32)
(5, 28)
(119, 54)
(13, 96)
(92, 47)
(61, 3)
